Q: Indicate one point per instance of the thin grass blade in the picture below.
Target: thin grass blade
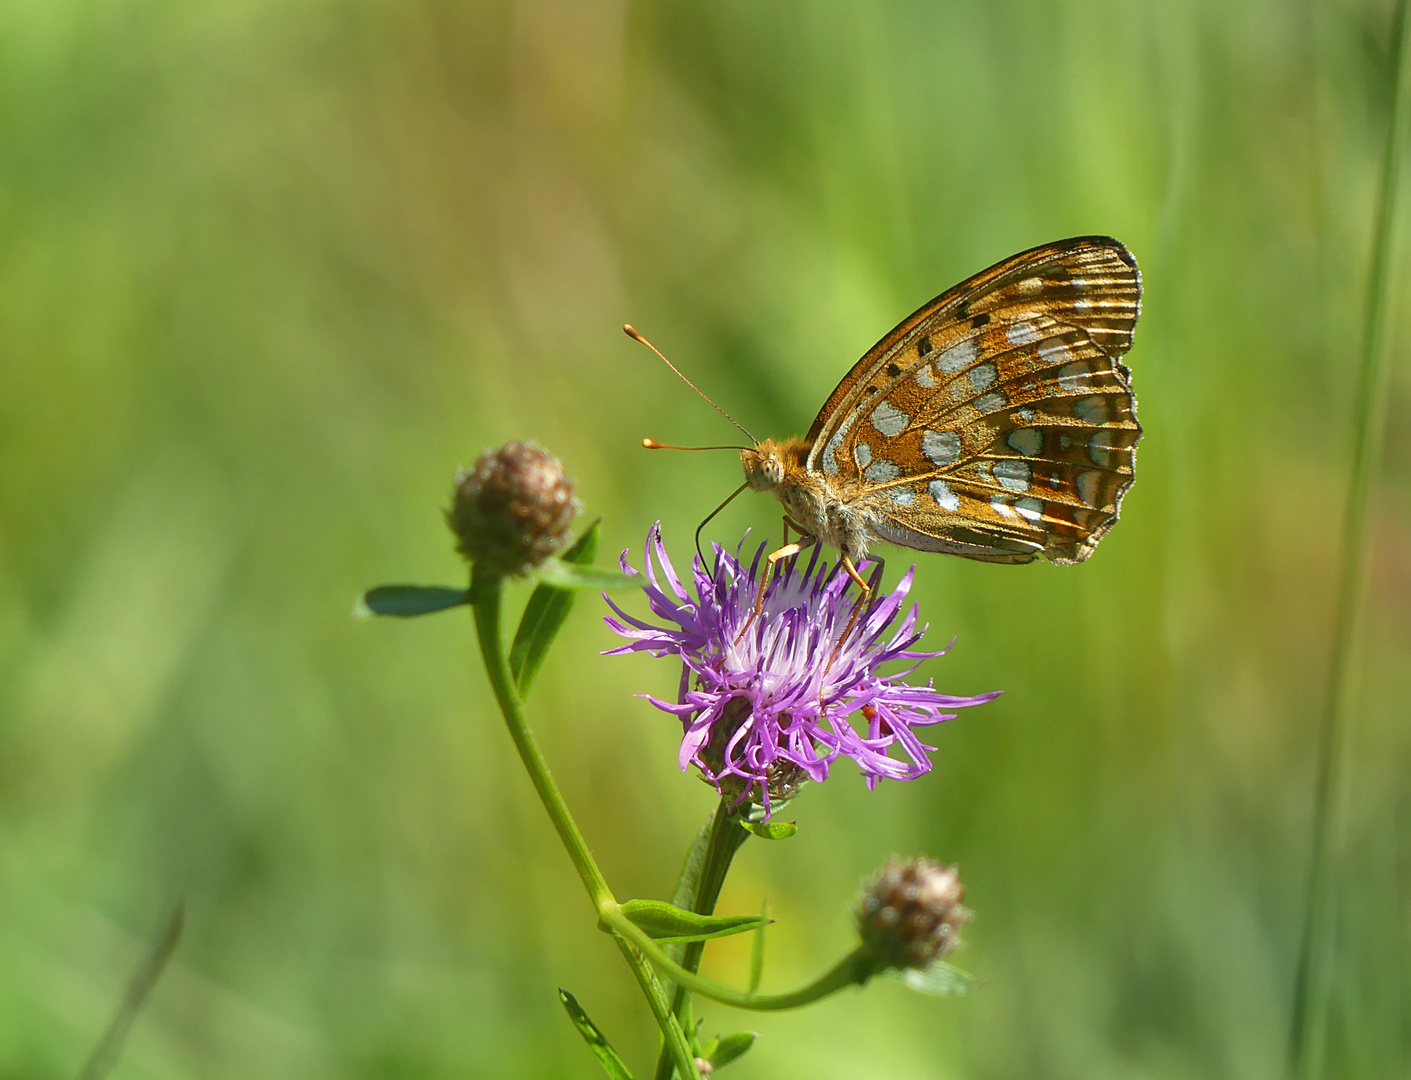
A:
(597, 1042)
(105, 1054)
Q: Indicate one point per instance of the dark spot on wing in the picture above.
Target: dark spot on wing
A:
(979, 321)
(923, 346)
(893, 370)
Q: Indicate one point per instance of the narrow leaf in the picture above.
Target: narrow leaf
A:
(566, 575)
(612, 1064)
(757, 951)
(684, 895)
(731, 1047)
(940, 979)
(772, 830)
(408, 600)
(665, 922)
(105, 1054)
(544, 615)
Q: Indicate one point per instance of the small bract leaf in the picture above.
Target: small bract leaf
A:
(666, 922)
(568, 576)
(408, 600)
(612, 1064)
(772, 830)
(545, 614)
(731, 1047)
(940, 979)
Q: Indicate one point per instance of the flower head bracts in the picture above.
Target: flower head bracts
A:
(771, 700)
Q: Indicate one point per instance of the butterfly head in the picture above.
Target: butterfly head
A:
(771, 463)
(764, 466)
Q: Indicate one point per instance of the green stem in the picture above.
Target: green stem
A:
(1311, 986)
(699, 891)
(675, 1047)
(485, 595)
(852, 970)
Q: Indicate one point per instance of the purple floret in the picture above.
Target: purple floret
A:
(793, 710)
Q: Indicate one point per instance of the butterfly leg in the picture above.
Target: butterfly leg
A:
(787, 551)
(851, 568)
(862, 600)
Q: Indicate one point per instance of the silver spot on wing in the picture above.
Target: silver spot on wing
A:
(1088, 486)
(941, 447)
(1022, 333)
(1028, 441)
(1102, 448)
(830, 452)
(957, 357)
(889, 420)
(881, 470)
(1012, 474)
(1030, 509)
(983, 376)
(1095, 409)
(945, 498)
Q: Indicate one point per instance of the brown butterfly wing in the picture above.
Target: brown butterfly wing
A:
(996, 422)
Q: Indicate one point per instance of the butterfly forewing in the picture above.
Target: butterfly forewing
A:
(996, 422)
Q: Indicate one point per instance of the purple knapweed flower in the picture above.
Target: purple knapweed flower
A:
(766, 709)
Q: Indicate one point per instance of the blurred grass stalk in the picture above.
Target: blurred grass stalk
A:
(105, 1055)
(1312, 985)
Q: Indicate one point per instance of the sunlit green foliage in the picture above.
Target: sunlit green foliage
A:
(271, 271)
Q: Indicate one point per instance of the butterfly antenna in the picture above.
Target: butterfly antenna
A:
(631, 331)
(712, 514)
(652, 444)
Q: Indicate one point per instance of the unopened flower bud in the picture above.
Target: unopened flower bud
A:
(513, 509)
(910, 913)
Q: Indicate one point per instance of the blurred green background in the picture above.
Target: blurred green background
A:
(270, 271)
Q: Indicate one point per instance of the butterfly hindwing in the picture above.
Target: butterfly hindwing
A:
(996, 422)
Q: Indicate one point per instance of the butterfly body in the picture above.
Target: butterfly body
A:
(995, 423)
(841, 517)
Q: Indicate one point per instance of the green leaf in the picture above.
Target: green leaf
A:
(731, 1047)
(757, 951)
(772, 830)
(612, 1064)
(544, 615)
(666, 922)
(408, 600)
(940, 979)
(684, 895)
(565, 575)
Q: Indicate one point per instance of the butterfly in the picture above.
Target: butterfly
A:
(996, 423)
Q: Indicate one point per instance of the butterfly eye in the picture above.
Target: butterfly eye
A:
(764, 469)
